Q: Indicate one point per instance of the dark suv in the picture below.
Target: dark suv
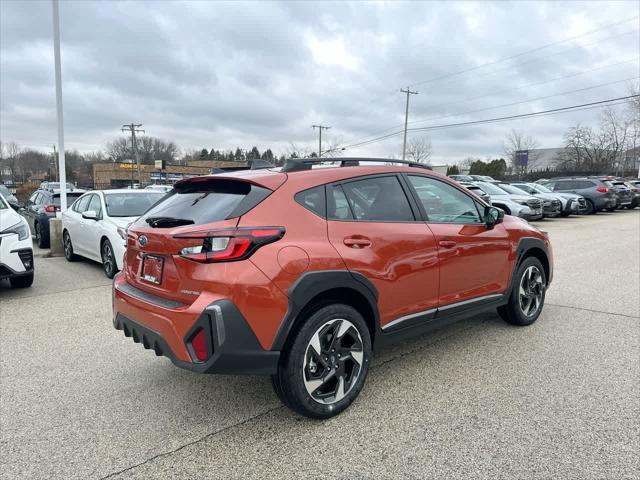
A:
(599, 194)
(300, 272)
(41, 206)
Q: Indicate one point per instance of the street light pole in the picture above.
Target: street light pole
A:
(62, 174)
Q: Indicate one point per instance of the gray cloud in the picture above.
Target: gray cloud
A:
(214, 74)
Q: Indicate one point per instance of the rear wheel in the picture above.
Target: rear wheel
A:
(42, 236)
(108, 259)
(23, 281)
(527, 297)
(68, 247)
(324, 367)
(591, 208)
(611, 209)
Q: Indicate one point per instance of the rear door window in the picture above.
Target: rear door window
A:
(378, 199)
(204, 201)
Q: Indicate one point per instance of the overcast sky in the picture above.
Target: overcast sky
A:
(221, 75)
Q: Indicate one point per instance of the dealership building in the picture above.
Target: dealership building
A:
(125, 174)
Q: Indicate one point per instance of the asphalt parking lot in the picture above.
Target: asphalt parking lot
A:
(478, 399)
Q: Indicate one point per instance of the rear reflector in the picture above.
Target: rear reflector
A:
(228, 245)
(199, 344)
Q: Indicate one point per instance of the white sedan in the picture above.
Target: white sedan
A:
(95, 226)
(16, 248)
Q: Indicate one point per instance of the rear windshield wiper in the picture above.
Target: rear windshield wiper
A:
(164, 222)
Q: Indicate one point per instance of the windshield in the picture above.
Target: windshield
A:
(130, 204)
(542, 189)
(490, 188)
(71, 197)
(511, 189)
(526, 188)
(3, 204)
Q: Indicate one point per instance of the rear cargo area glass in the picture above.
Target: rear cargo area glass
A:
(204, 202)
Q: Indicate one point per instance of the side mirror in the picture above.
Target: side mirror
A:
(493, 216)
(90, 215)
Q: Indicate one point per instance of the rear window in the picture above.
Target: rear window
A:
(200, 202)
(71, 197)
(130, 204)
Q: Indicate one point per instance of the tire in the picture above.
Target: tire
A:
(611, 209)
(109, 264)
(565, 214)
(68, 247)
(307, 381)
(527, 297)
(42, 236)
(24, 281)
(591, 208)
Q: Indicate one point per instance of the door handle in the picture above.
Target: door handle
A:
(447, 243)
(354, 242)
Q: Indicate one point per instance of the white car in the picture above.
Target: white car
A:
(95, 227)
(16, 247)
(159, 188)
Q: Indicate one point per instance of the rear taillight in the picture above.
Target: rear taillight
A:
(51, 208)
(228, 245)
(603, 189)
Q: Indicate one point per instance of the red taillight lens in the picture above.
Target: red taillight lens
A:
(51, 208)
(603, 189)
(199, 344)
(228, 245)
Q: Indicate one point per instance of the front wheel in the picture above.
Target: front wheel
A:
(68, 247)
(108, 259)
(325, 365)
(527, 296)
(42, 236)
(591, 208)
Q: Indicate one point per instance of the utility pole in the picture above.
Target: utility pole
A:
(133, 128)
(320, 128)
(406, 120)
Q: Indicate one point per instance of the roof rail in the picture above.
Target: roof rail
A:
(300, 164)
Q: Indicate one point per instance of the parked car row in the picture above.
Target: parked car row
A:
(558, 197)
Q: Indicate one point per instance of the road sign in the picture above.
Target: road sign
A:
(522, 158)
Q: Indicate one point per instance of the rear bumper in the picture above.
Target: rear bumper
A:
(231, 344)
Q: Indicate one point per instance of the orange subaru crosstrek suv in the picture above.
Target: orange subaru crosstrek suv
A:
(300, 272)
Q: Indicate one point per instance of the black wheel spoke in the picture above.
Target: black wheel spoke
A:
(333, 361)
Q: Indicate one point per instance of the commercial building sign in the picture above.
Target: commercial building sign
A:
(522, 158)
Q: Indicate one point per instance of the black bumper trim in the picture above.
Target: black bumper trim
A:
(148, 297)
(232, 345)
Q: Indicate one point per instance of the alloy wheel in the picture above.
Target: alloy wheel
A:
(68, 250)
(107, 259)
(531, 291)
(333, 361)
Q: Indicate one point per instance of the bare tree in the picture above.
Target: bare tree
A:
(119, 149)
(518, 140)
(11, 154)
(297, 151)
(332, 148)
(419, 150)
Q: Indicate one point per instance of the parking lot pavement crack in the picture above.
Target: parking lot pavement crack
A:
(593, 311)
(194, 442)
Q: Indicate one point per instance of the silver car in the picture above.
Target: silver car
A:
(571, 202)
(520, 205)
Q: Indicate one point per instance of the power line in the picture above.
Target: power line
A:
(382, 132)
(584, 106)
(511, 57)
